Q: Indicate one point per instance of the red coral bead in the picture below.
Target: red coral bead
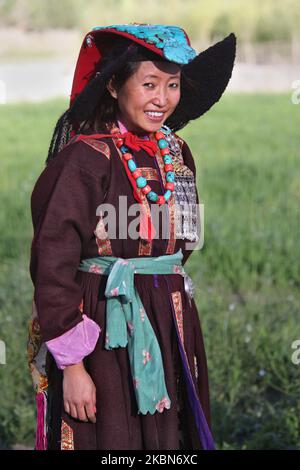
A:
(146, 189)
(165, 151)
(159, 135)
(161, 200)
(137, 173)
(119, 143)
(127, 156)
(170, 186)
(168, 167)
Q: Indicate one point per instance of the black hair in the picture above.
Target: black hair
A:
(106, 111)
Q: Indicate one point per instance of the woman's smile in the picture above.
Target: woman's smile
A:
(155, 116)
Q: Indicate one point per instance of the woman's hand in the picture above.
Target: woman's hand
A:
(79, 393)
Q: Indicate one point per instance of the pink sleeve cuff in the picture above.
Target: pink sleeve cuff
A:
(71, 347)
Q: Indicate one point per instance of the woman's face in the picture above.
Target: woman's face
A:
(149, 96)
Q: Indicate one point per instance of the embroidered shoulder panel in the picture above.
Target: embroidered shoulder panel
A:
(98, 145)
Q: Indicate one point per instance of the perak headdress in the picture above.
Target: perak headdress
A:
(209, 71)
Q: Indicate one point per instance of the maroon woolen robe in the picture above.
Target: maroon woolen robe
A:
(67, 229)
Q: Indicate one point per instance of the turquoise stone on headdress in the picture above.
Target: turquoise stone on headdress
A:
(170, 39)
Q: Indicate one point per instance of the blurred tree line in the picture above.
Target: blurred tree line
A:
(253, 21)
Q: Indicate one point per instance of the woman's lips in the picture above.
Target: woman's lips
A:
(154, 117)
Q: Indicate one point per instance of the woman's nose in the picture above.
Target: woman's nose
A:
(161, 98)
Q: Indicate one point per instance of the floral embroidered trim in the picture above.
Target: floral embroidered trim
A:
(145, 246)
(160, 162)
(171, 209)
(98, 145)
(149, 173)
(67, 437)
(102, 239)
(177, 303)
(178, 309)
(172, 239)
(37, 352)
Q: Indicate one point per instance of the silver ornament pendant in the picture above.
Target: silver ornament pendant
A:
(189, 287)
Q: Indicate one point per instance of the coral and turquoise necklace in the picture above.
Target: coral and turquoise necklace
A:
(140, 181)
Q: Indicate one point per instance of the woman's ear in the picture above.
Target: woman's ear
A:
(112, 89)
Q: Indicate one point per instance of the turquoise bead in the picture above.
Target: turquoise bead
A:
(131, 165)
(170, 177)
(152, 196)
(123, 148)
(141, 182)
(167, 159)
(167, 194)
(162, 143)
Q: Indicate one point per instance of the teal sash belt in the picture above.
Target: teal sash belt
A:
(127, 323)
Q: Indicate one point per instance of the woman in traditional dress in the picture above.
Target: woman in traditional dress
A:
(115, 346)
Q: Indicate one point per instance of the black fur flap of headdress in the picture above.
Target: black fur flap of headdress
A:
(210, 73)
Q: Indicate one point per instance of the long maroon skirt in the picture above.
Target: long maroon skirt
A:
(119, 426)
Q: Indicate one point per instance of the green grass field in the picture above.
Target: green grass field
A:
(247, 275)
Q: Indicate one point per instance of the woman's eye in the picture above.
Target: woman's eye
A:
(152, 85)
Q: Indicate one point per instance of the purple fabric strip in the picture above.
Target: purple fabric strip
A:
(204, 433)
(71, 347)
(155, 279)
